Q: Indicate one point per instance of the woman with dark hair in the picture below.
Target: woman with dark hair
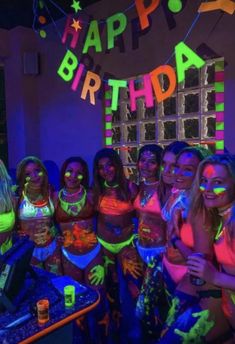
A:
(81, 252)
(114, 195)
(35, 213)
(7, 213)
(151, 236)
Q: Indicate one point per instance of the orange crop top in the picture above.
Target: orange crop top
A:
(112, 206)
(152, 206)
(225, 249)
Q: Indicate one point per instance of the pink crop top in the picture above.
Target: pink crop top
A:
(112, 206)
(151, 206)
(225, 249)
(186, 234)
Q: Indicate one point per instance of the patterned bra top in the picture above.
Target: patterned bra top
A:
(112, 206)
(28, 210)
(150, 205)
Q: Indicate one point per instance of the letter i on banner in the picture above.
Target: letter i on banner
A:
(219, 105)
(108, 116)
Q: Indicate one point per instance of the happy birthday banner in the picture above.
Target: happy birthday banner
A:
(71, 70)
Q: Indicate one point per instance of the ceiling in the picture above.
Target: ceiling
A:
(20, 12)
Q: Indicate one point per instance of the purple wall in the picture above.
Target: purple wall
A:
(47, 119)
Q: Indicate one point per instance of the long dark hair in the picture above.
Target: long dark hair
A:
(85, 180)
(20, 174)
(98, 181)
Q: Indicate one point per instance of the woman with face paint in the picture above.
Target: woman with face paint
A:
(81, 252)
(179, 231)
(7, 213)
(35, 213)
(151, 237)
(113, 197)
(195, 314)
(213, 197)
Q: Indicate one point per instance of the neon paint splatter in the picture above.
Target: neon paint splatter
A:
(202, 188)
(218, 190)
(209, 171)
(199, 330)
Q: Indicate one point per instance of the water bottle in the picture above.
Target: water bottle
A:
(194, 279)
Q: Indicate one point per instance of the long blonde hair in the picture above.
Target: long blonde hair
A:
(198, 208)
(6, 196)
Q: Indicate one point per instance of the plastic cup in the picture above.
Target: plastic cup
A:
(43, 311)
(69, 295)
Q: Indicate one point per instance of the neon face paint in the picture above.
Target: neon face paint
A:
(80, 177)
(209, 171)
(67, 174)
(202, 188)
(219, 190)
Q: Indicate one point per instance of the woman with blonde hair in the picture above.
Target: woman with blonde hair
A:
(7, 213)
(36, 213)
(213, 203)
(196, 315)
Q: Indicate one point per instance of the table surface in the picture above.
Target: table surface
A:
(30, 330)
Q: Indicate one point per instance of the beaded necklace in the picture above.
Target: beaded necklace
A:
(147, 194)
(72, 208)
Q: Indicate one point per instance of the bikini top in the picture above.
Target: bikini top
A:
(28, 210)
(7, 221)
(73, 215)
(150, 205)
(110, 205)
(186, 234)
(224, 248)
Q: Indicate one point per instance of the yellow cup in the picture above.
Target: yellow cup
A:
(69, 295)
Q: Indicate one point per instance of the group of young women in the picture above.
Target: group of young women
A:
(178, 262)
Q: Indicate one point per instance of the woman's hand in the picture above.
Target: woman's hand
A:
(202, 268)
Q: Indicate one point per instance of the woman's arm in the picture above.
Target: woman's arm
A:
(206, 270)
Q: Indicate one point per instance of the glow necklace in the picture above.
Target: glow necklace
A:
(38, 204)
(219, 231)
(110, 186)
(72, 208)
